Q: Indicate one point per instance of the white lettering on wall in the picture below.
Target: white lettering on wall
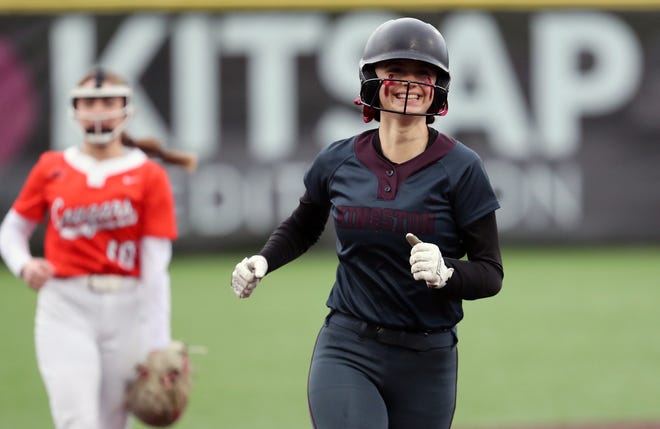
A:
(534, 129)
(271, 43)
(72, 51)
(562, 93)
(195, 86)
(484, 92)
(129, 53)
(535, 196)
(338, 60)
(215, 202)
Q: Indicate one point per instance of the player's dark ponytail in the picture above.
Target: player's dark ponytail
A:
(153, 147)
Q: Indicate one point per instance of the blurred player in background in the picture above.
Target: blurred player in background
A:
(103, 285)
(386, 355)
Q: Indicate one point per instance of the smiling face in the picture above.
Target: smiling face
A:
(407, 86)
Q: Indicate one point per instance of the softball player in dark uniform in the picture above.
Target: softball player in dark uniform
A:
(408, 204)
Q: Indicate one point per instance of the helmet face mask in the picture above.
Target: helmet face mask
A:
(404, 39)
(94, 123)
(370, 95)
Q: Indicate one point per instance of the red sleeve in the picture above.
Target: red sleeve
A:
(159, 216)
(31, 201)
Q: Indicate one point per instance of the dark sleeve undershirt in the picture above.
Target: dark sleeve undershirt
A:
(481, 275)
(478, 277)
(295, 235)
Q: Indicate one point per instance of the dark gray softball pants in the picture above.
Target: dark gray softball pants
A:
(366, 377)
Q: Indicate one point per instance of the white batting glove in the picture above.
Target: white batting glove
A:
(247, 274)
(426, 263)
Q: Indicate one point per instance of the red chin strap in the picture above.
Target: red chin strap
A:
(444, 110)
(368, 113)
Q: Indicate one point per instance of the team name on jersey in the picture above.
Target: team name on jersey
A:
(384, 219)
(87, 220)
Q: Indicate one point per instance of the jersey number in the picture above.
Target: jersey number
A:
(124, 253)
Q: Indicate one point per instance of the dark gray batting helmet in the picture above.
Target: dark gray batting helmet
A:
(409, 39)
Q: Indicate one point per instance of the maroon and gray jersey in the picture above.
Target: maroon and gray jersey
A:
(443, 196)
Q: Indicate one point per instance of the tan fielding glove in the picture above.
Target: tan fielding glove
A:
(161, 387)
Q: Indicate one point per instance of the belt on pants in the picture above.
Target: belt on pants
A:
(110, 283)
(416, 340)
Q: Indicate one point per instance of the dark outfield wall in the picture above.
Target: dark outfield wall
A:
(562, 106)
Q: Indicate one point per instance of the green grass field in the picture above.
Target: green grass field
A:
(573, 337)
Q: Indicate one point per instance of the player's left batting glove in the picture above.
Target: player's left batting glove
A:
(247, 274)
(426, 263)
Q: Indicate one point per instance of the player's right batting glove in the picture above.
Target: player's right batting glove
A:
(426, 263)
(247, 274)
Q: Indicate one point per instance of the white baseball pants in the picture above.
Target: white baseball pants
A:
(87, 344)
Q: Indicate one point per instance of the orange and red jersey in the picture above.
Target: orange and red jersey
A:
(98, 211)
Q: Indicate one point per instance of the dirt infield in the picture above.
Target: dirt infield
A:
(655, 425)
(607, 426)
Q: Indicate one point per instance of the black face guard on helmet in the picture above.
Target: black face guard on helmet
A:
(403, 39)
(371, 87)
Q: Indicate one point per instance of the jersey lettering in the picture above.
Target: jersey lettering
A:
(86, 221)
(384, 220)
(124, 253)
